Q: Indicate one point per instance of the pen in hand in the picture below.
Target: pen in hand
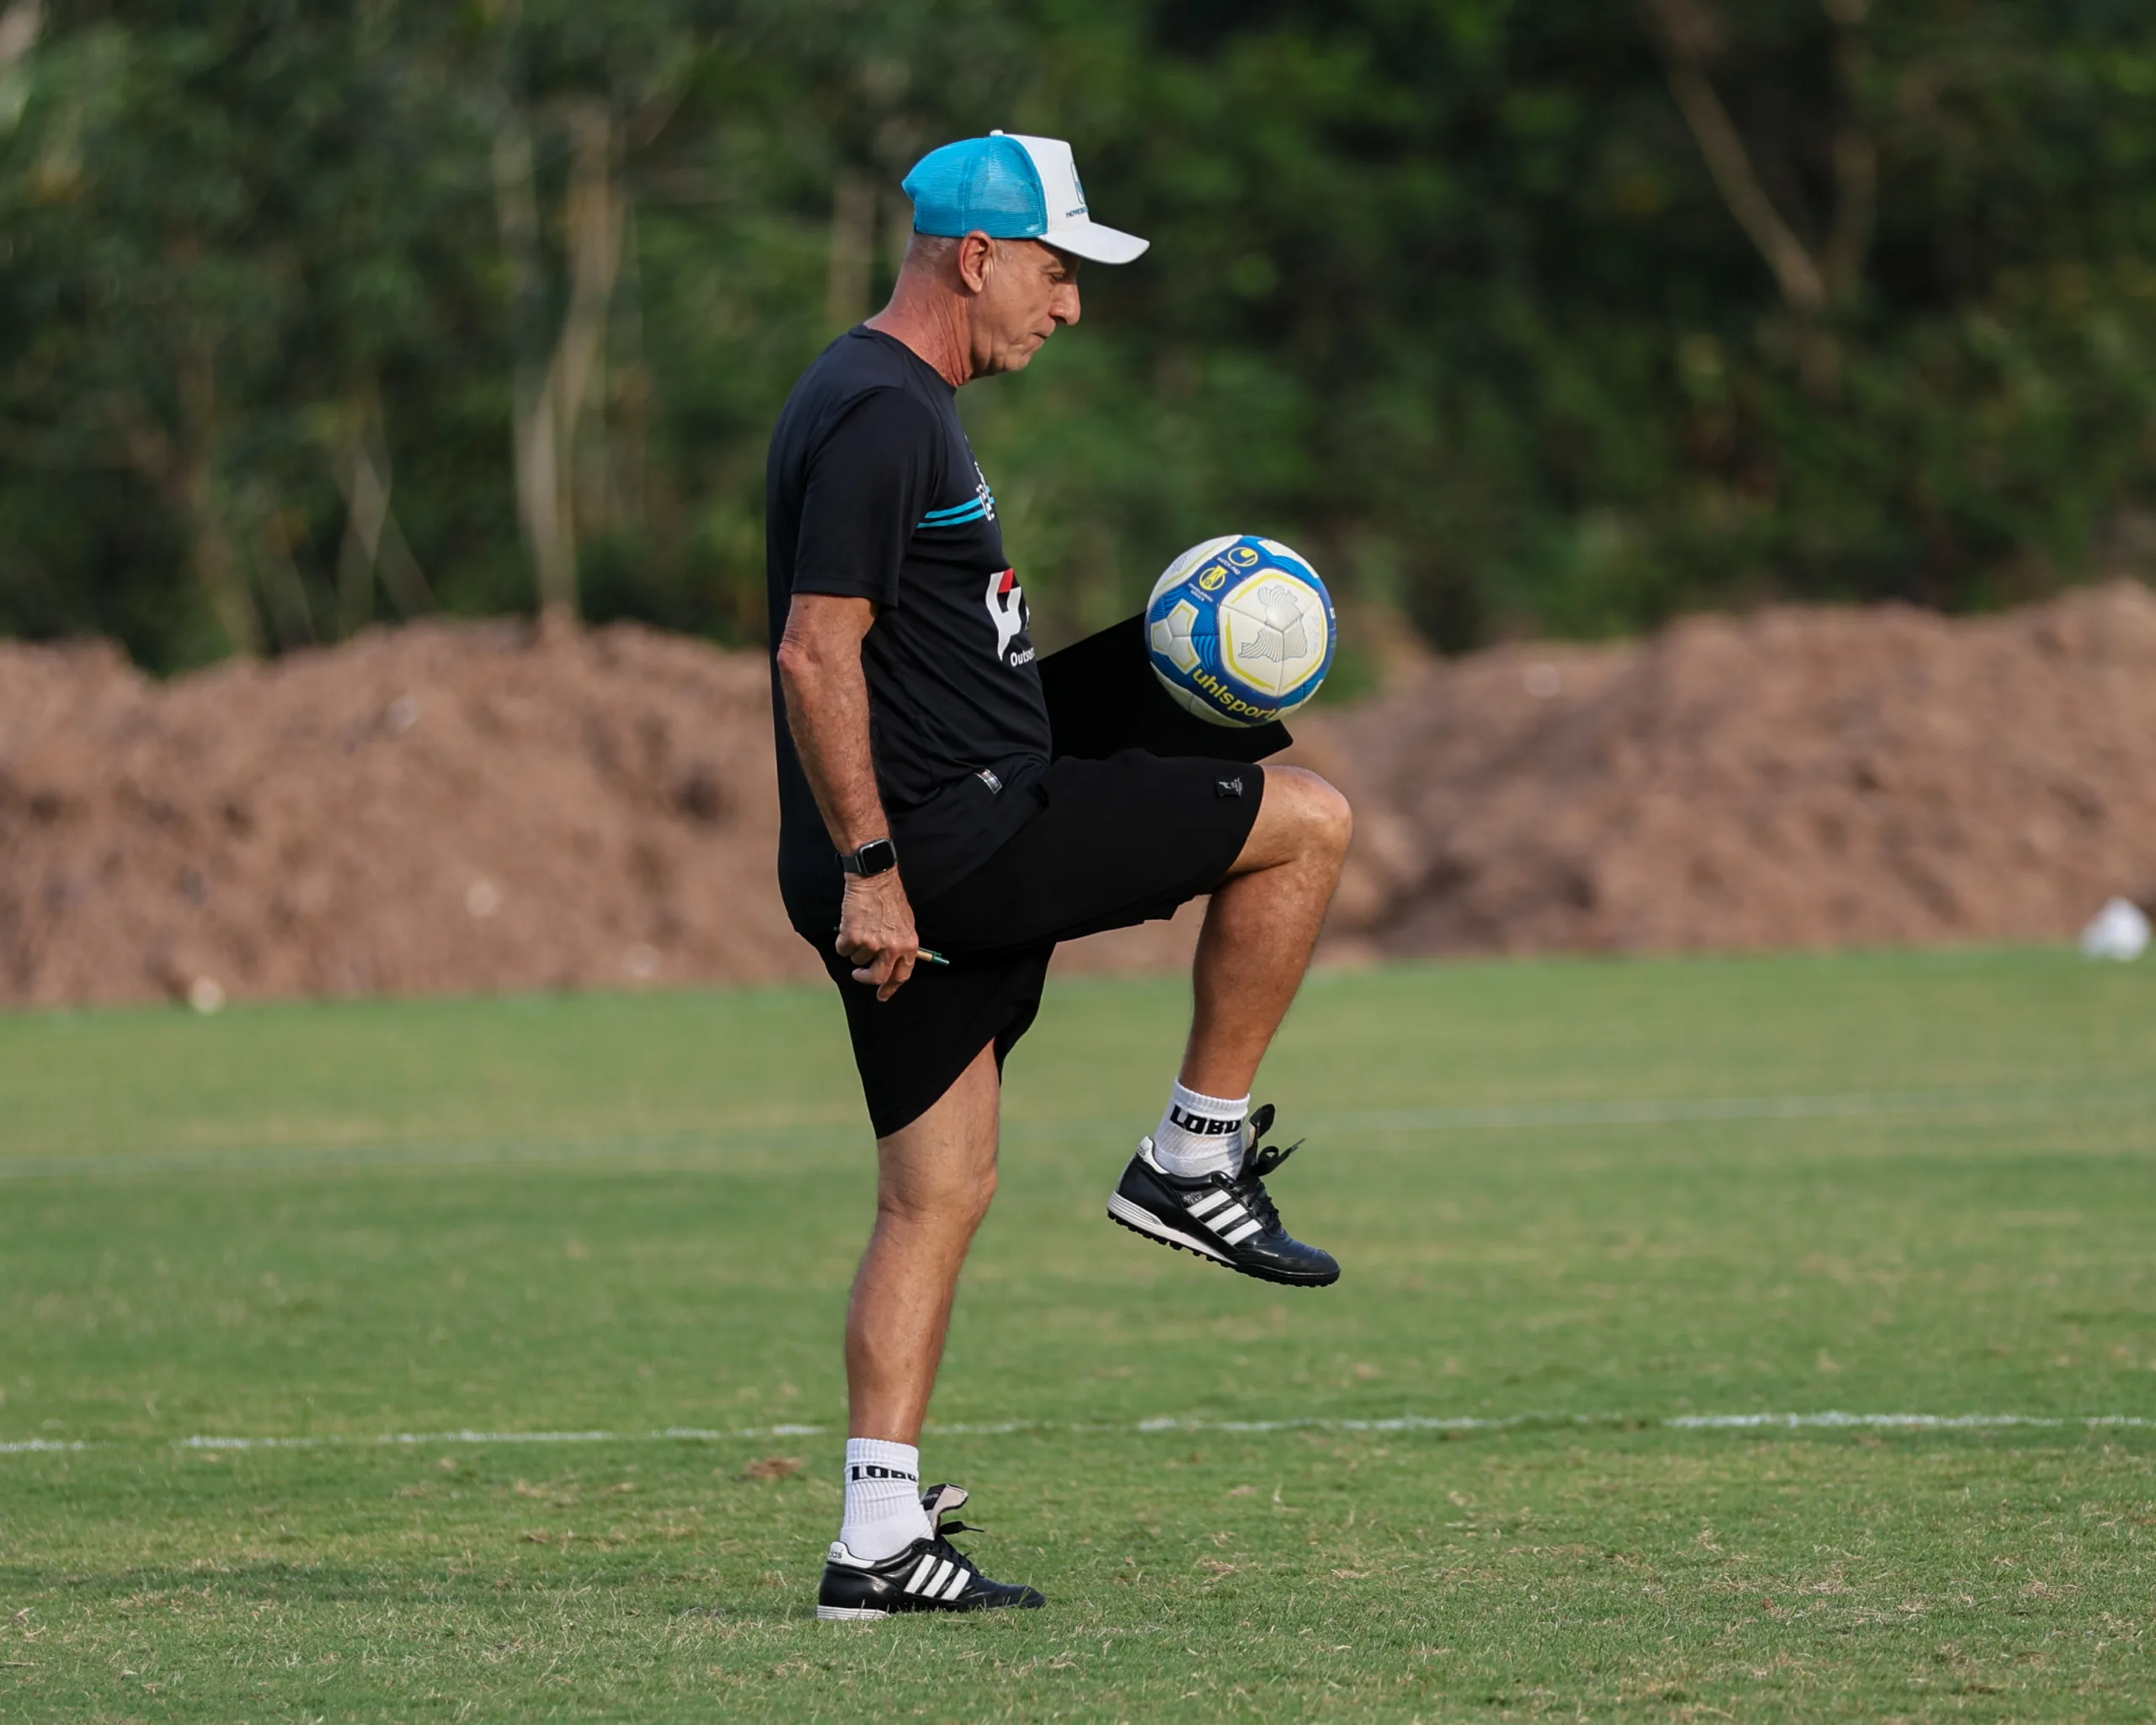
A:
(926, 956)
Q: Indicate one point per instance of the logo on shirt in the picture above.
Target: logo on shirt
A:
(979, 507)
(1006, 610)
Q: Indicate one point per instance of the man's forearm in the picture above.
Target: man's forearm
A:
(827, 711)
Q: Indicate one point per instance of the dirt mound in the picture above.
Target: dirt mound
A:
(442, 807)
(478, 806)
(1797, 778)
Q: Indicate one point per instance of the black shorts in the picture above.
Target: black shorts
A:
(1117, 842)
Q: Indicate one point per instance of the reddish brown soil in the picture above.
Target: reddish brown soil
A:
(1799, 778)
(447, 807)
(472, 807)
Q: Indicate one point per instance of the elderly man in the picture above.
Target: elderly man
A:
(934, 850)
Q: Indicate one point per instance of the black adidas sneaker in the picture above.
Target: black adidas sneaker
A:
(930, 1575)
(1228, 1218)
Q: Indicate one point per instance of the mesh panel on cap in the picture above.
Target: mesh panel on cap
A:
(987, 183)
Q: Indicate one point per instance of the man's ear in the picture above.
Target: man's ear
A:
(976, 257)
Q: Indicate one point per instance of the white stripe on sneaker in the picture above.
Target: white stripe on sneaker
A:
(1237, 1236)
(957, 1585)
(1143, 1220)
(935, 1588)
(928, 1564)
(1206, 1203)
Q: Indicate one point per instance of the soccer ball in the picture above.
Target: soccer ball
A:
(1241, 630)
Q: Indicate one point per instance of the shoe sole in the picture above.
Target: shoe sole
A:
(865, 1613)
(1142, 1222)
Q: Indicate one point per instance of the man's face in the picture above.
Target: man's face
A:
(1027, 292)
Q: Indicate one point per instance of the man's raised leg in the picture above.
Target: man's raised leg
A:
(1192, 1184)
(1261, 928)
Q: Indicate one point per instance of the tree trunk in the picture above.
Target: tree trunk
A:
(592, 214)
(553, 380)
(542, 506)
(373, 545)
(1812, 285)
(183, 472)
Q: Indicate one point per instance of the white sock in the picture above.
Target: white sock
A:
(1200, 1135)
(882, 1498)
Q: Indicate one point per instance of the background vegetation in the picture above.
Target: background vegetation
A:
(1560, 317)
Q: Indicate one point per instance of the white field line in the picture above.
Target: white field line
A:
(708, 1145)
(1831, 1420)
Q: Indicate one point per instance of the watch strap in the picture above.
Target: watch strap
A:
(877, 856)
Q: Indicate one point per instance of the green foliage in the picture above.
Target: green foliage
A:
(1890, 1184)
(1449, 292)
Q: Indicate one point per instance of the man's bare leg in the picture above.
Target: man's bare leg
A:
(1261, 928)
(1191, 1184)
(934, 1179)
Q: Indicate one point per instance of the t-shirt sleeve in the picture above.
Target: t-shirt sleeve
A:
(869, 485)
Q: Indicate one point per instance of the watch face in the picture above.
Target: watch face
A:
(877, 856)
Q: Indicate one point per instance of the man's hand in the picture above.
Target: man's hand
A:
(876, 932)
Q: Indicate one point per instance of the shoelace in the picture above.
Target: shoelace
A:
(946, 1527)
(1258, 1161)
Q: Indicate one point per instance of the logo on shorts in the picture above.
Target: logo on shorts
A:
(1227, 788)
(1006, 610)
(987, 776)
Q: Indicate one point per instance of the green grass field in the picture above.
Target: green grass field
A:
(1579, 1205)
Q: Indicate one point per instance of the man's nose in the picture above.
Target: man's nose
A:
(1064, 307)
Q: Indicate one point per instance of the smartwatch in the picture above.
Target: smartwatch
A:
(877, 856)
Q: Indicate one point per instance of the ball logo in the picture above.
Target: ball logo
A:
(1243, 555)
(1273, 628)
(1214, 578)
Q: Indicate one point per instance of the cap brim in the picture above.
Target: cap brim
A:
(1097, 244)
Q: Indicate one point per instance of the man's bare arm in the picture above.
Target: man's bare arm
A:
(827, 711)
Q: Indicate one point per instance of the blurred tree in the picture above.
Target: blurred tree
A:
(1566, 318)
(223, 231)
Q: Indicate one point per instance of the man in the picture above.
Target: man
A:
(933, 851)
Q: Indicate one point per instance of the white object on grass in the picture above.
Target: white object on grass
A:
(2119, 932)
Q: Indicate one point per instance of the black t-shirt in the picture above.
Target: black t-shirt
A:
(873, 492)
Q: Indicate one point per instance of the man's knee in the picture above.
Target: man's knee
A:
(1324, 824)
(955, 1201)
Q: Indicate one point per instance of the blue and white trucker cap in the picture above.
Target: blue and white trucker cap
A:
(1009, 186)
